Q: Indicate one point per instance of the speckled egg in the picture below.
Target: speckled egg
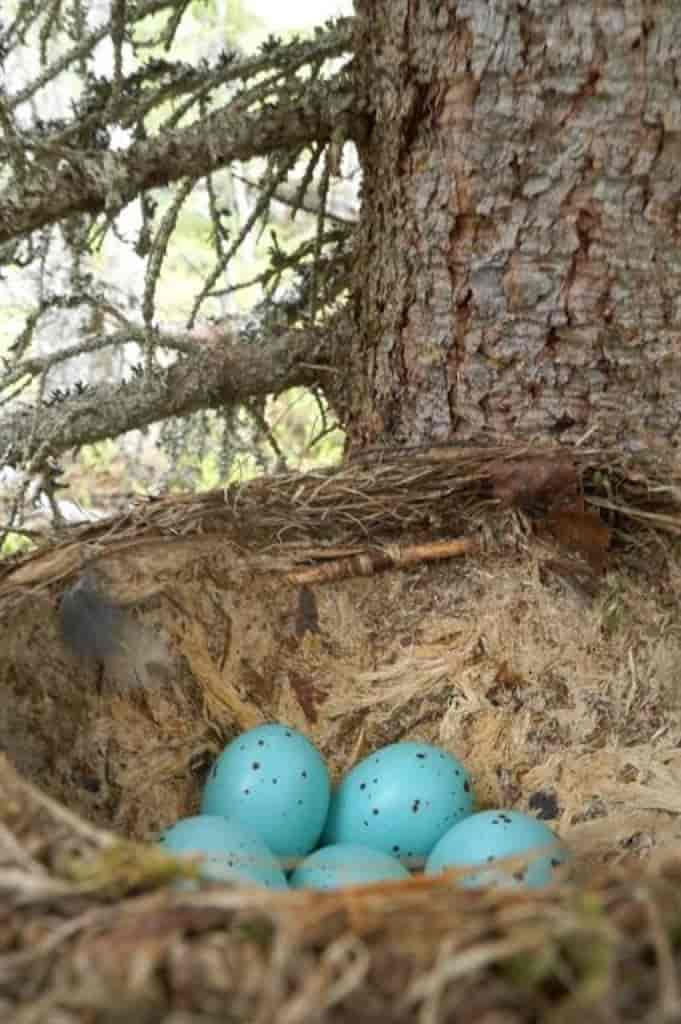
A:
(273, 779)
(491, 835)
(232, 852)
(400, 799)
(333, 867)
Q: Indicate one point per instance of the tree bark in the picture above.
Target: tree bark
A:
(518, 264)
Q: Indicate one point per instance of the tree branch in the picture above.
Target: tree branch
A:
(152, 85)
(287, 193)
(94, 181)
(84, 48)
(226, 366)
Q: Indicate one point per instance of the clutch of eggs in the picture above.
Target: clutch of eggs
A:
(268, 801)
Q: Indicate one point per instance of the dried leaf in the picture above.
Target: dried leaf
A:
(543, 478)
(581, 529)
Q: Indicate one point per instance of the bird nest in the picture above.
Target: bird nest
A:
(517, 605)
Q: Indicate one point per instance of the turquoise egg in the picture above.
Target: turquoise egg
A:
(491, 835)
(333, 867)
(232, 852)
(401, 800)
(273, 779)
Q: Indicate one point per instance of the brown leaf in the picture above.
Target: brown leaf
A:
(540, 478)
(581, 529)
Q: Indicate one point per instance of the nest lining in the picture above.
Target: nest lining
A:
(551, 689)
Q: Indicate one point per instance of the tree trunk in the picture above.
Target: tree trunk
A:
(519, 257)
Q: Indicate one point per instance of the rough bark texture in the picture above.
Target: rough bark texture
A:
(519, 265)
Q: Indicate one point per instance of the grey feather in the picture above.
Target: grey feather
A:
(92, 624)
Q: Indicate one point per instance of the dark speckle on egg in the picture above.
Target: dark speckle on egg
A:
(421, 757)
(247, 792)
(375, 811)
(275, 781)
(362, 785)
(415, 806)
(261, 743)
(396, 849)
(555, 862)
(490, 858)
(304, 774)
(255, 765)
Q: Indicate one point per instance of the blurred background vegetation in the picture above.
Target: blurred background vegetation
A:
(292, 431)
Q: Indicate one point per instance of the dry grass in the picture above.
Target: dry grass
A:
(294, 518)
(95, 938)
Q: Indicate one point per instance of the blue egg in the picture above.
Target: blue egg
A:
(401, 800)
(491, 835)
(232, 852)
(333, 867)
(274, 780)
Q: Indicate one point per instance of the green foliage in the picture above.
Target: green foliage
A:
(15, 544)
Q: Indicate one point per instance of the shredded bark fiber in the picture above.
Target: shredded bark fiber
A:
(518, 606)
